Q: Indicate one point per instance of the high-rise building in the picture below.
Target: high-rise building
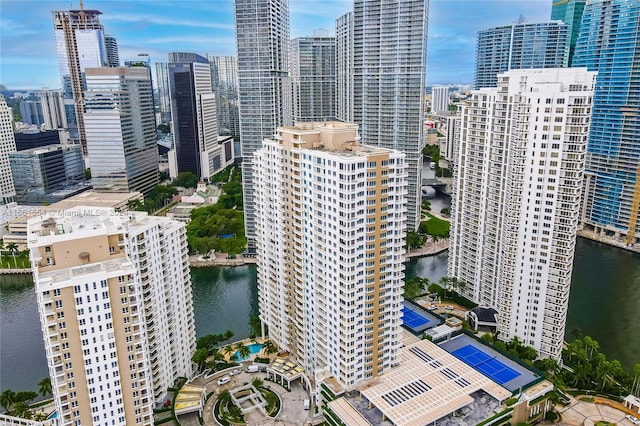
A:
(451, 133)
(262, 36)
(47, 174)
(439, 99)
(389, 60)
(516, 199)
(569, 12)
(519, 46)
(53, 110)
(113, 57)
(31, 112)
(193, 117)
(609, 43)
(115, 304)
(344, 67)
(120, 129)
(330, 248)
(224, 78)
(7, 145)
(80, 44)
(313, 77)
(164, 92)
(32, 138)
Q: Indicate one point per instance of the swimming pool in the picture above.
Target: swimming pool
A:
(53, 415)
(254, 348)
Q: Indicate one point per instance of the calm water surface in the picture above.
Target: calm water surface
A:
(604, 303)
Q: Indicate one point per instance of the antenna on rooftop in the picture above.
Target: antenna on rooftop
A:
(520, 20)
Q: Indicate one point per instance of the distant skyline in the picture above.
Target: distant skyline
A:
(27, 46)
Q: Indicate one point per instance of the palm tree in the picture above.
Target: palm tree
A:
(218, 356)
(228, 350)
(243, 350)
(13, 248)
(235, 411)
(269, 347)
(225, 396)
(257, 382)
(44, 386)
(7, 399)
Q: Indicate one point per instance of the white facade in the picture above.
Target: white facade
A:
(344, 67)
(7, 145)
(330, 222)
(114, 298)
(439, 99)
(516, 199)
(53, 109)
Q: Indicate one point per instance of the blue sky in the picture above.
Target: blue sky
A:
(27, 47)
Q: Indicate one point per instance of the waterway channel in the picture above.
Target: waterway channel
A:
(604, 303)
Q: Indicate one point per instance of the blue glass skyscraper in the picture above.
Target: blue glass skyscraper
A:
(520, 46)
(569, 12)
(609, 43)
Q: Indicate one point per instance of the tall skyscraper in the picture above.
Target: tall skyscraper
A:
(313, 77)
(115, 304)
(113, 57)
(516, 199)
(7, 145)
(609, 43)
(164, 92)
(31, 112)
(344, 68)
(120, 129)
(193, 116)
(80, 44)
(224, 78)
(569, 12)
(519, 46)
(439, 99)
(390, 49)
(262, 36)
(330, 248)
(52, 109)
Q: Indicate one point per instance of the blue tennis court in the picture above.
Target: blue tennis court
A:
(487, 365)
(412, 319)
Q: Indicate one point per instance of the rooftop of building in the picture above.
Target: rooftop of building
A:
(336, 137)
(428, 384)
(45, 149)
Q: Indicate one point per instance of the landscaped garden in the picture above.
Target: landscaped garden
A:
(227, 412)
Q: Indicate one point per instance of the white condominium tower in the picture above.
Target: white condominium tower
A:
(262, 35)
(330, 224)
(516, 200)
(439, 99)
(114, 297)
(7, 146)
(389, 60)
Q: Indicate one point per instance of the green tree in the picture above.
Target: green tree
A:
(445, 211)
(200, 357)
(415, 240)
(44, 386)
(13, 248)
(87, 174)
(228, 350)
(242, 349)
(269, 347)
(635, 387)
(21, 409)
(164, 128)
(26, 396)
(225, 396)
(186, 180)
(7, 399)
(235, 412)
(255, 326)
(257, 382)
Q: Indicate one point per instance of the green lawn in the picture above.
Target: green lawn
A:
(7, 261)
(436, 226)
